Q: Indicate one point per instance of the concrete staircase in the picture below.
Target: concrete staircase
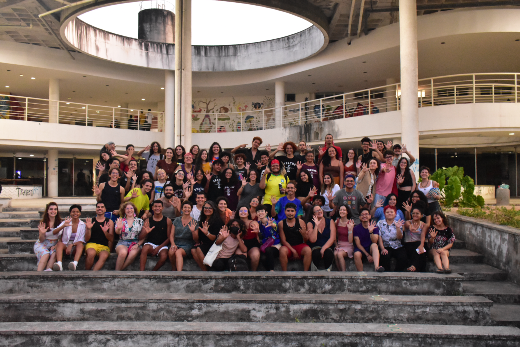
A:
(474, 306)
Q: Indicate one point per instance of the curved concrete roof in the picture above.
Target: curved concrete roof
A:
(120, 49)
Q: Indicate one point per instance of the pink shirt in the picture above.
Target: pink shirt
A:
(385, 181)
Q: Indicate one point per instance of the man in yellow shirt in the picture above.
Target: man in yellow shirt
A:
(139, 197)
(274, 181)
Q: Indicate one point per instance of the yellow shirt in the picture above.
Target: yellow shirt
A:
(141, 202)
(272, 187)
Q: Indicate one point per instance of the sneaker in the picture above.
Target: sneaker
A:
(72, 266)
(57, 267)
(47, 270)
(380, 269)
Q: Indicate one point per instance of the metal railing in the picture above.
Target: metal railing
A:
(437, 91)
(64, 112)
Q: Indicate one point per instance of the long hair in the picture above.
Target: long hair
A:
(440, 214)
(210, 156)
(376, 172)
(123, 207)
(324, 186)
(199, 161)
(422, 197)
(204, 179)
(214, 218)
(237, 215)
(233, 181)
(46, 218)
(241, 225)
(159, 148)
(326, 157)
(175, 152)
(406, 170)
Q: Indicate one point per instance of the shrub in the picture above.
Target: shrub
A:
(459, 189)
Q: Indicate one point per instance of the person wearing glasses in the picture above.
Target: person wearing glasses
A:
(385, 180)
(350, 197)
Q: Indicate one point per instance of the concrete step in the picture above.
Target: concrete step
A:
(498, 292)
(16, 222)
(12, 232)
(5, 240)
(20, 214)
(4, 251)
(506, 314)
(309, 308)
(138, 282)
(19, 246)
(65, 213)
(143, 333)
(479, 272)
(459, 244)
(28, 233)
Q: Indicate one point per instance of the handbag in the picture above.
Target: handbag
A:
(266, 244)
(212, 254)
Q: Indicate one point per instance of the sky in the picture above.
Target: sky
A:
(213, 22)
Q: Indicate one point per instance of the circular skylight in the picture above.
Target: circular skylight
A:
(213, 22)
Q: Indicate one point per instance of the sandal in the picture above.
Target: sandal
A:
(380, 269)
(447, 271)
(411, 269)
(440, 271)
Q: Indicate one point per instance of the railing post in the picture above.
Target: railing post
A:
(344, 106)
(369, 105)
(431, 91)
(516, 88)
(263, 119)
(216, 122)
(300, 113)
(138, 119)
(474, 89)
(114, 118)
(321, 110)
(493, 92)
(241, 122)
(455, 94)
(398, 104)
(57, 112)
(26, 109)
(86, 115)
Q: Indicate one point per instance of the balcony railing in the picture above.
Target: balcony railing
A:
(437, 91)
(41, 110)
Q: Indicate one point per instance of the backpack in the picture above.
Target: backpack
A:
(238, 263)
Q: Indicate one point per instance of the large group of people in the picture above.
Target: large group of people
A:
(239, 209)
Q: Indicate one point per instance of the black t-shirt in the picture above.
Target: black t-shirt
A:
(215, 188)
(249, 155)
(304, 188)
(197, 188)
(365, 158)
(290, 166)
(159, 233)
(242, 171)
(97, 235)
(178, 190)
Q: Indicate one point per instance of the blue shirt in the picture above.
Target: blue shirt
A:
(380, 215)
(280, 207)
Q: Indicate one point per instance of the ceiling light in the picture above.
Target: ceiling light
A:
(365, 72)
(84, 76)
(309, 75)
(142, 99)
(442, 43)
(21, 75)
(83, 107)
(68, 103)
(364, 62)
(107, 85)
(7, 86)
(31, 155)
(118, 105)
(131, 110)
(162, 88)
(511, 133)
(33, 78)
(19, 158)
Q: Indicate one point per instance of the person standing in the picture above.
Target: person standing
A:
(350, 197)
(274, 182)
(386, 178)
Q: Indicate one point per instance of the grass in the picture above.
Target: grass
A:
(497, 215)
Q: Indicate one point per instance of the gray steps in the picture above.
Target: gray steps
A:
(28, 233)
(5, 240)
(16, 222)
(498, 292)
(65, 213)
(135, 283)
(11, 232)
(319, 308)
(479, 272)
(61, 207)
(506, 314)
(20, 214)
(142, 333)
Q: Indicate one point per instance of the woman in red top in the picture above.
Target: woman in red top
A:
(167, 164)
(350, 165)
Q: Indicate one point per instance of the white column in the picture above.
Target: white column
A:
(279, 102)
(391, 100)
(409, 77)
(54, 97)
(169, 111)
(52, 176)
(123, 115)
(183, 85)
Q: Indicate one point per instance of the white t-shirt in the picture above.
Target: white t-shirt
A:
(159, 189)
(195, 213)
(151, 161)
(326, 207)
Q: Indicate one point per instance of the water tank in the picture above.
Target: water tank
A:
(157, 25)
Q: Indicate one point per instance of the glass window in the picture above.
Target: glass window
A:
(496, 165)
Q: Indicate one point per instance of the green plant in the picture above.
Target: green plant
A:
(459, 189)
(499, 215)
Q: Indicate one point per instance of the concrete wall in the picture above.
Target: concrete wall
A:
(498, 244)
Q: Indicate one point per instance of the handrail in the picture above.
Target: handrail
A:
(433, 91)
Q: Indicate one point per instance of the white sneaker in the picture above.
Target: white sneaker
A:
(57, 267)
(47, 270)
(72, 266)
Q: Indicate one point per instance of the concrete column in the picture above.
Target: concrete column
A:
(391, 100)
(279, 102)
(52, 177)
(169, 109)
(183, 85)
(123, 115)
(409, 78)
(54, 97)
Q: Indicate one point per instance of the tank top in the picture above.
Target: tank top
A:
(96, 233)
(183, 168)
(111, 197)
(323, 237)
(159, 234)
(413, 237)
(365, 158)
(426, 190)
(407, 180)
(292, 234)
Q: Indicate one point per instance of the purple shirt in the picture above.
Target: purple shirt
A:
(313, 170)
(364, 237)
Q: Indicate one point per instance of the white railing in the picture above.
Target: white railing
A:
(41, 110)
(437, 91)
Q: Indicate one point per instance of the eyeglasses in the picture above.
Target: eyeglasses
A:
(349, 181)
(389, 157)
(208, 208)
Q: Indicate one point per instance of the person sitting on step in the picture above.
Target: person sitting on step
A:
(181, 237)
(293, 235)
(98, 234)
(441, 239)
(230, 237)
(132, 234)
(72, 239)
(322, 236)
(157, 229)
(366, 235)
(391, 234)
(45, 246)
